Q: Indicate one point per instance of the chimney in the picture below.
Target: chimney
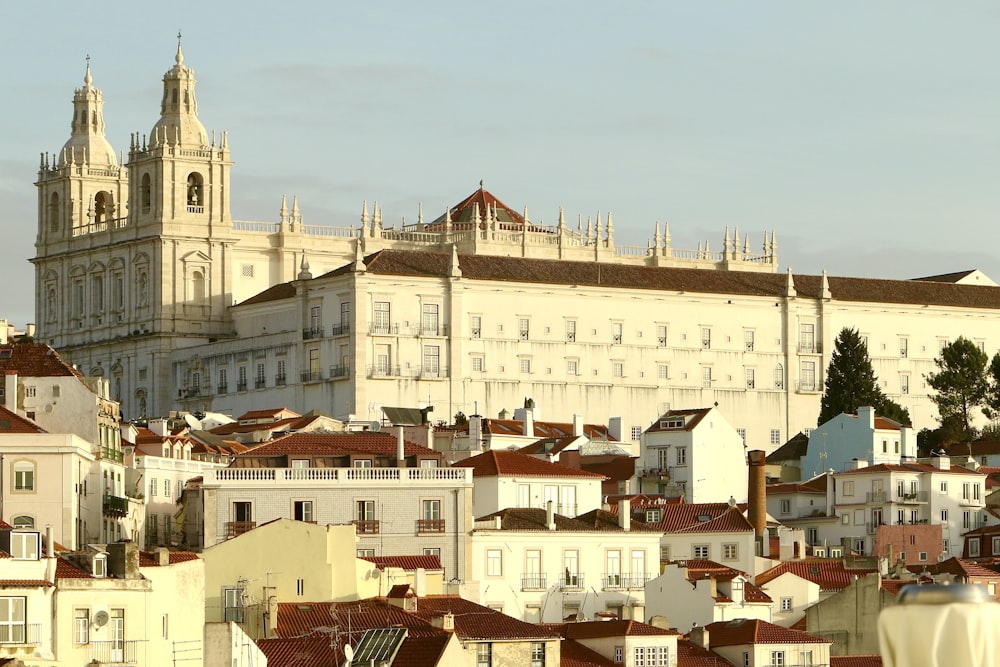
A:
(476, 443)
(942, 462)
(271, 629)
(866, 414)
(123, 560)
(3, 332)
(400, 449)
(445, 621)
(49, 547)
(550, 515)
(577, 425)
(529, 422)
(159, 427)
(164, 555)
(699, 637)
(10, 391)
(420, 582)
(625, 514)
(757, 502)
(615, 428)
(831, 491)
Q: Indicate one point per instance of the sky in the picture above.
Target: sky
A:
(865, 135)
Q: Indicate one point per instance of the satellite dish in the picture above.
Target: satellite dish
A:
(192, 421)
(349, 652)
(101, 618)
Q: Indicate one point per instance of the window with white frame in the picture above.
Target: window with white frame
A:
(700, 551)
(24, 545)
(24, 476)
(807, 376)
(973, 547)
(904, 383)
(429, 319)
(742, 432)
(779, 377)
(477, 364)
(775, 436)
(904, 347)
(706, 338)
(730, 551)
(523, 330)
(682, 455)
(233, 605)
(786, 506)
(475, 326)
(572, 367)
(484, 654)
(616, 333)
(81, 626)
(494, 562)
(786, 604)
(636, 432)
(751, 378)
(537, 654)
(661, 335)
(807, 337)
(806, 659)
(12, 620)
(706, 376)
(570, 331)
(617, 369)
(777, 659)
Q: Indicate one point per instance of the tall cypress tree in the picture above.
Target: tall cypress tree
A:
(850, 379)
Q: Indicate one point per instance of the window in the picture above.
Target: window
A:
(242, 511)
(81, 626)
(24, 546)
(976, 492)
(965, 491)
(966, 519)
(477, 364)
(706, 338)
(944, 487)
(706, 376)
(429, 319)
(636, 433)
(380, 317)
(619, 654)
(974, 547)
(807, 376)
(24, 476)
(300, 587)
(777, 659)
(807, 659)
(730, 551)
(241, 383)
(617, 369)
(570, 331)
(12, 625)
(365, 510)
(944, 516)
(812, 536)
(29, 392)
(365, 553)
(807, 337)
(775, 436)
(484, 655)
(751, 380)
(431, 510)
(903, 347)
(524, 363)
(700, 551)
(432, 360)
(24, 522)
(302, 510)
(572, 367)
(662, 371)
(786, 506)
(779, 377)
(233, 605)
(494, 562)
(537, 654)
(616, 333)
(748, 340)
(165, 626)
(742, 432)
(475, 326)
(661, 335)
(786, 604)
(259, 382)
(613, 559)
(166, 488)
(522, 328)
(904, 384)
(682, 455)
(432, 551)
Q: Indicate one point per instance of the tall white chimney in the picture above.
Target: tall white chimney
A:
(529, 422)
(625, 514)
(550, 515)
(577, 425)
(400, 449)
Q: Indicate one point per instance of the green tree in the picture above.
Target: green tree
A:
(961, 383)
(850, 378)
(992, 409)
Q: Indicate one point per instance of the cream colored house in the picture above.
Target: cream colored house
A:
(757, 643)
(698, 592)
(791, 595)
(626, 642)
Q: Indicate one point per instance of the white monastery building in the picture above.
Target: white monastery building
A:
(139, 264)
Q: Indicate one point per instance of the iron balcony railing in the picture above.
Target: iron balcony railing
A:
(430, 525)
(571, 581)
(340, 329)
(533, 582)
(115, 506)
(279, 380)
(312, 376)
(309, 334)
(367, 527)
(339, 371)
(114, 652)
(21, 634)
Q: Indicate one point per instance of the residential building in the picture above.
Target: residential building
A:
(756, 643)
(505, 479)
(694, 453)
(849, 617)
(791, 594)
(540, 566)
(698, 592)
(398, 495)
(865, 436)
(625, 642)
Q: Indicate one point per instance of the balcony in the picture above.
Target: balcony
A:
(430, 526)
(613, 582)
(115, 506)
(875, 497)
(114, 652)
(223, 388)
(110, 454)
(913, 498)
(533, 582)
(21, 635)
(570, 581)
(279, 380)
(339, 371)
(311, 376)
(383, 371)
(241, 386)
(311, 333)
(259, 383)
(340, 329)
(432, 372)
(367, 527)
(635, 582)
(384, 329)
(663, 474)
(237, 528)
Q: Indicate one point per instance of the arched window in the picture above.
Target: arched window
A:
(140, 401)
(173, 96)
(145, 193)
(102, 206)
(24, 476)
(23, 521)
(198, 287)
(195, 198)
(779, 377)
(54, 212)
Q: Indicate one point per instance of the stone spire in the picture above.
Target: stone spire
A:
(454, 270)
(824, 288)
(304, 273)
(790, 284)
(179, 108)
(364, 215)
(359, 256)
(284, 209)
(87, 144)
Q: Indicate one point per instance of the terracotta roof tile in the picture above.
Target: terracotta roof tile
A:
(66, 570)
(793, 450)
(34, 360)
(268, 413)
(829, 573)
(24, 583)
(690, 654)
(11, 422)
(691, 418)
(275, 293)
(753, 631)
(524, 518)
(301, 652)
(908, 467)
(152, 558)
(618, 628)
(575, 654)
(476, 622)
(856, 660)
(406, 562)
(792, 487)
(336, 444)
(544, 429)
(505, 463)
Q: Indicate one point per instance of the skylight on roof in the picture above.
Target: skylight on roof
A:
(378, 646)
(704, 517)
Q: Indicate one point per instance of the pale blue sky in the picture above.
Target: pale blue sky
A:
(865, 134)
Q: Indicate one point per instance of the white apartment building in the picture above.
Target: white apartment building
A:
(540, 566)
(694, 593)
(694, 453)
(865, 436)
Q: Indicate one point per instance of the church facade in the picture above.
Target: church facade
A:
(143, 277)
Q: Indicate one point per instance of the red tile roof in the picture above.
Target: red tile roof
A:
(463, 213)
(152, 558)
(695, 517)
(11, 422)
(34, 360)
(855, 661)
(691, 417)
(793, 487)
(268, 413)
(754, 631)
(575, 654)
(618, 628)
(302, 651)
(908, 467)
(66, 570)
(959, 567)
(274, 293)
(690, 654)
(300, 618)
(829, 573)
(524, 518)
(406, 562)
(24, 583)
(476, 622)
(336, 444)
(544, 429)
(506, 463)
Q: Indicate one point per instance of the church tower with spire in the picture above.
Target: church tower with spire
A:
(134, 261)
